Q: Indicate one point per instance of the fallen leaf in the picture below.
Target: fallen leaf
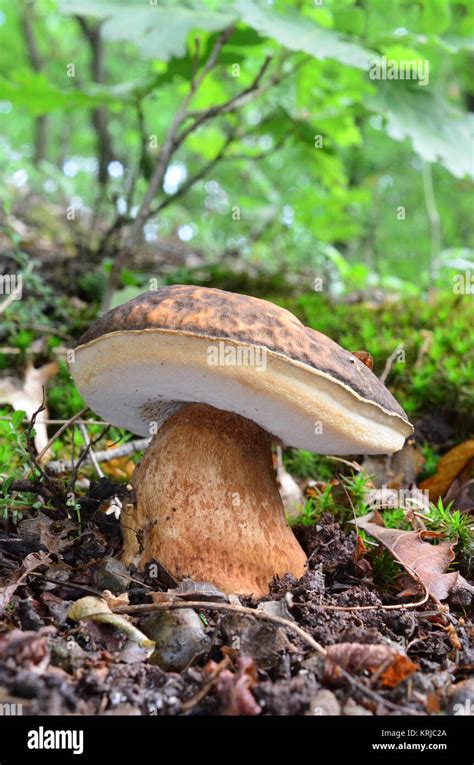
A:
(354, 657)
(115, 600)
(233, 689)
(448, 468)
(119, 467)
(401, 668)
(29, 650)
(30, 563)
(27, 396)
(429, 562)
(98, 610)
(357, 657)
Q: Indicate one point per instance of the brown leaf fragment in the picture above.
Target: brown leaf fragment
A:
(29, 650)
(365, 357)
(30, 563)
(428, 562)
(401, 668)
(449, 467)
(357, 657)
(233, 689)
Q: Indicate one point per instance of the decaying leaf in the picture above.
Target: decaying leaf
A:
(429, 562)
(27, 396)
(29, 650)
(119, 467)
(448, 469)
(393, 665)
(98, 610)
(30, 563)
(233, 688)
(395, 471)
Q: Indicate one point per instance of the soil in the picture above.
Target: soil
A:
(52, 665)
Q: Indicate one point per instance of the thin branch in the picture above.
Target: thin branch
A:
(389, 363)
(61, 430)
(433, 216)
(232, 104)
(212, 606)
(193, 179)
(92, 455)
(131, 447)
(170, 142)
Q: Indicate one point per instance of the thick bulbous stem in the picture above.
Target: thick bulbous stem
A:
(208, 504)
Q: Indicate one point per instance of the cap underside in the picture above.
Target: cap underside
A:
(128, 378)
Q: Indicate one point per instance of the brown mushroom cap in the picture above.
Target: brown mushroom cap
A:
(139, 361)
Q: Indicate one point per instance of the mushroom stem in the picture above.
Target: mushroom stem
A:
(208, 504)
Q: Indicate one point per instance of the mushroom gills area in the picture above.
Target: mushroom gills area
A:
(208, 504)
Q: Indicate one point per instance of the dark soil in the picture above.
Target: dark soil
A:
(52, 665)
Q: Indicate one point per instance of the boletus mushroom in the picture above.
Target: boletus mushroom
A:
(214, 376)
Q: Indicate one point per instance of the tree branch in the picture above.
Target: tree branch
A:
(99, 116)
(37, 63)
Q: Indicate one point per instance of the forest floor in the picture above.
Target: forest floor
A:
(380, 656)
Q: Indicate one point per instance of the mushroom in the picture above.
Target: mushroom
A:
(214, 376)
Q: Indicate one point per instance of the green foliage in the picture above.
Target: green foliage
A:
(304, 464)
(14, 457)
(452, 524)
(300, 205)
(314, 507)
(431, 461)
(385, 569)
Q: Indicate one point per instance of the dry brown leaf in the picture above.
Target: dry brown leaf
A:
(401, 668)
(429, 562)
(356, 657)
(120, 467)
(27, 396)
(30, 563)
(449, 467)
(234, 689)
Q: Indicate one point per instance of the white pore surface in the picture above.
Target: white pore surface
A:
(126, 377)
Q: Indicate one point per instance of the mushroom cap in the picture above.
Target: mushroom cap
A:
(140, 361)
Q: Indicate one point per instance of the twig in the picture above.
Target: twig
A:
(205, 169)
(252, 91)
(83, 455)
(170, 142)
(433, 216)
(354, 465)
(91, 454)
(8, 418)
(212, 606)
(200, 695)
(106, 455)
(389, 363)
(61, 430)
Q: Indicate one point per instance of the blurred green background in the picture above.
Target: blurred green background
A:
(244, 145)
